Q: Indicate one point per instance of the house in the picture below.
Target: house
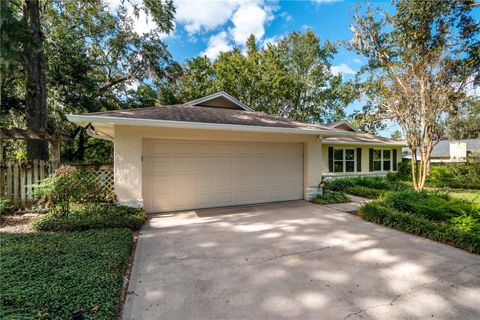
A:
(450, 150)
(216, 151)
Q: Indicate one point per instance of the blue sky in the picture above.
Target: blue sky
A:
(206, 27)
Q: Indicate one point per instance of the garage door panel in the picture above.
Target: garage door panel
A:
(179, 175)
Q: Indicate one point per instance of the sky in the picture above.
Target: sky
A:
(207, 27)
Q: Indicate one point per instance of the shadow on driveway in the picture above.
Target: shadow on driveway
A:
(295, 260)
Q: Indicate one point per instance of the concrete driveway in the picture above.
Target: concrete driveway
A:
(295, 260)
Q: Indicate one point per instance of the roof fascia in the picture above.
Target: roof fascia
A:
(217, 95)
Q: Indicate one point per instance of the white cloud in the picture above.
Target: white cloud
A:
(356, 60)
(342, 68)
(201, 15)
(249, 19)
(216, 44)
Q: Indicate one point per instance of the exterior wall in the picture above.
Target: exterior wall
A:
(128, 154)
(458, 151)
(365, 160)
(312, 168)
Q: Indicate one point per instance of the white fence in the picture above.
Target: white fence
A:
(17, 179)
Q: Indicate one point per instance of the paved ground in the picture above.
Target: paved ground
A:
(295, 261)
(353, 206)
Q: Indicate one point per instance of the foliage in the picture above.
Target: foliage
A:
(366, 192)
(343, 184)
(330, 197)
(92, 216)
(431, 205)
(5, 205)
(464, 121)
(458, 234)
(68, 185)
(457, 174)
(93, 57)
(469, 195)
(290, 78)
(420, 60)
(403, 173)
(50, 275)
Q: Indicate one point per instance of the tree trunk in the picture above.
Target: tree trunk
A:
(36, 91)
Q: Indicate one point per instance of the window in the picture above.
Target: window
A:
(382, 160)
(344, 160)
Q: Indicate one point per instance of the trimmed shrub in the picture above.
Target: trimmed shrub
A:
(465, 175)
(452, 234)
(331, 197)
(441, 176)
(93, 216)
(366, 192)
(403, 173)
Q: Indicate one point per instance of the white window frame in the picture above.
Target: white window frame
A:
(344, 160)
(382, 160)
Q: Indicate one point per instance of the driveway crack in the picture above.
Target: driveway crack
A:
(296, 253)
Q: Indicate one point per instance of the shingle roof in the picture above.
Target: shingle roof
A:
(363, 138)
(202, 114)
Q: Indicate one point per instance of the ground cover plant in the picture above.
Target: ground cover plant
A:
(368, 187)
(331, 197)
(434, 215)
(50, 275)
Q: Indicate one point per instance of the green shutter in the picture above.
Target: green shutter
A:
(394, 160)
(359, 159)
(330, 159)
(370, 156)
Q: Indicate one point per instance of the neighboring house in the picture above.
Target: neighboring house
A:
(215, 151)
(450, 150)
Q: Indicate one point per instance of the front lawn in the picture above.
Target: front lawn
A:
(469, 195)
(50, 275)
(433, 215)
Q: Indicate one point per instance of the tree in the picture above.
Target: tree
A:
(291, 78)
(396, 135)
(420, 59)
(464, 122)
(95, 61)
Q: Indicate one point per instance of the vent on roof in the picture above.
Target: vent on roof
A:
(220, 100)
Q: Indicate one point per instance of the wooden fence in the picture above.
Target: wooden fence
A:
(17, 179)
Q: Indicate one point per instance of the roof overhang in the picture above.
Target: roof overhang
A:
(107, 121)
(377, 144)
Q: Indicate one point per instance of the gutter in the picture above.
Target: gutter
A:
(88, 119)
(97, 133)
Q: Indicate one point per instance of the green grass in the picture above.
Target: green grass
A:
(473, 195)
(50, 275)
(330, 197)
(92, 216)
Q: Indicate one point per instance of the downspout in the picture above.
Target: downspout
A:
(97, 134)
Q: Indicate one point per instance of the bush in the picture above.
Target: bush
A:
(330, 197)
(366, 192)
(50, 275)
(92, 216)
(452, 234)
(67, 186)
(403, 173)
(464, 175)
(5, 206)
(441, 176)
(431, 205)
(343, 184)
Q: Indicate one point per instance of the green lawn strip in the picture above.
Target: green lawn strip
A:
(376, 212)
(469, 195)
(49, 275)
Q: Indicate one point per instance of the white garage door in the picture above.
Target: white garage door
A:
(180, 175)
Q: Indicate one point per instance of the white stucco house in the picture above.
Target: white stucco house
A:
(215, 151)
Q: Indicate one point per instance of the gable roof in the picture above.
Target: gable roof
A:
(219, 99)
(342, 124)
(187, 115)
